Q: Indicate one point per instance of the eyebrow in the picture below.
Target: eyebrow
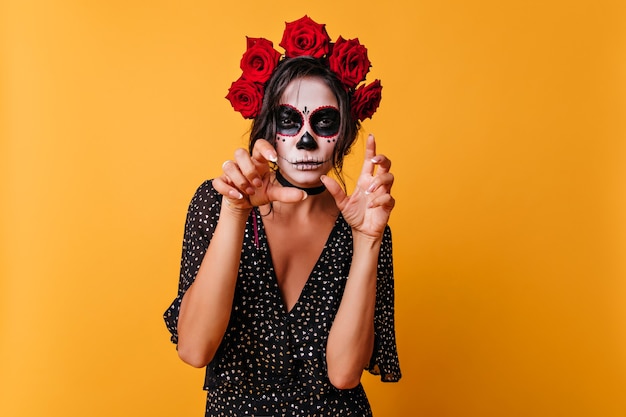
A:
(306, 110)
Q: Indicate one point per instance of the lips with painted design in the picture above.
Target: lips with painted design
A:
(305, 164)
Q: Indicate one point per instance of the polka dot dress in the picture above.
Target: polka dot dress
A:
(271, 362)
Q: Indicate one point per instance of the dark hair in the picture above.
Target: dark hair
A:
(264, 125)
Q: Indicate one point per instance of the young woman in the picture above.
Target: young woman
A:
(286, 286)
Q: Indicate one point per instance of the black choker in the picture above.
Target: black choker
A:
(310, 191)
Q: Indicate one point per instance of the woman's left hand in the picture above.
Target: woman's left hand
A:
(368, 209)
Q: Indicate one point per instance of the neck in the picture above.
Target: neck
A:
(309, 190)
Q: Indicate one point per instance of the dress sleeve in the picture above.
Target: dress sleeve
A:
(202, 218)
(384, 360)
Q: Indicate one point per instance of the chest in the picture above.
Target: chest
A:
(295, 250)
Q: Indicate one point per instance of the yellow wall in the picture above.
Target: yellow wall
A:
(504, 120)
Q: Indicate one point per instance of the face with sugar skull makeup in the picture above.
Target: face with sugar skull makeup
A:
(307, 126)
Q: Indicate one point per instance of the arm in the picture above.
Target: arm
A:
(367, 210)
(206, 306)
(351, 338)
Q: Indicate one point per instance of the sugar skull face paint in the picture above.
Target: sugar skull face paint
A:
(307, 129)
(324, 121)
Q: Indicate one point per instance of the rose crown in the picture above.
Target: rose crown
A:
(304, 37)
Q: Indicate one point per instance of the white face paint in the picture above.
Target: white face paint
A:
(307, 129)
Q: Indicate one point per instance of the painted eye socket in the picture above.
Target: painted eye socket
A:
(288, 121)
(325, 121)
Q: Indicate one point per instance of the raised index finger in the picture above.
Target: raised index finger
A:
(370, 152)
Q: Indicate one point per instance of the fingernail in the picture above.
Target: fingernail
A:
(305, 196)
(371, 188)
(271, 157)
(375, 160)
(235, 194)
(257, 182)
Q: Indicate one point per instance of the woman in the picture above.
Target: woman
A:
(286, 289)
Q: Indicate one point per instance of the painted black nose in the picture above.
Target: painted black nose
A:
(306, 142)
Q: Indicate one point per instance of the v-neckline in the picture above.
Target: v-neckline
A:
(277, 292)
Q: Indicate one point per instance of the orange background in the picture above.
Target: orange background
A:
(505, 123)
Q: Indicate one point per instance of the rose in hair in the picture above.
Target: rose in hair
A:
(305, 37)
(366, 100)
(246, 97)
(349, 61)
(259, 60)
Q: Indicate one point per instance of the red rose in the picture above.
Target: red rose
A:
(305, 37)
(246, 97)
(259, 60)
(349, 61)
(366, 100)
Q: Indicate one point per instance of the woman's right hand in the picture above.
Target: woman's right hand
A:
(247, 180)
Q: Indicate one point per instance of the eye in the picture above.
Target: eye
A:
(288, 121)
(325, 121)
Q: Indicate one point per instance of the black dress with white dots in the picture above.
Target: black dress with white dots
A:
(272, 362)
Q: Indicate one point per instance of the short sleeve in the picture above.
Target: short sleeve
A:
(202, 217)
(384, 360)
